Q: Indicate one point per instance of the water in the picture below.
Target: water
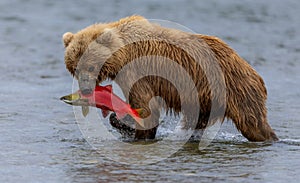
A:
(41, 142)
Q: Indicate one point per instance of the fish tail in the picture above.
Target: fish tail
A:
(134, 113)
(138, 112)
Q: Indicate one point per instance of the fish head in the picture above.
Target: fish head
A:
(75, 99)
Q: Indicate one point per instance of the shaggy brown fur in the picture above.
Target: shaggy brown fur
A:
(225, 84)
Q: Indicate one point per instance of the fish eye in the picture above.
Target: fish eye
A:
(91, 69)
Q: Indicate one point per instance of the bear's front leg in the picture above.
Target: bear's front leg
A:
(141, 96)
(123, 126)
(150, 115)
(126, 128)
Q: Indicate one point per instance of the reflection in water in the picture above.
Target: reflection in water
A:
(223, 159)
(232, 160)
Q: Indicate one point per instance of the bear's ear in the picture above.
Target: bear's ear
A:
(67, 38)
(110, 39)
(106, 38)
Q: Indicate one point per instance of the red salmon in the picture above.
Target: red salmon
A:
(103, 98)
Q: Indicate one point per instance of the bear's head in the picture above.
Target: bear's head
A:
(90, 54)
(87, 54)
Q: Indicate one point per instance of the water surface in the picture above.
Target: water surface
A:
(41, 142)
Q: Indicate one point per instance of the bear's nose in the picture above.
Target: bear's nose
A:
(86, 91)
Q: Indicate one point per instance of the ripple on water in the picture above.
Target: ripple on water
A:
(294, 142)
(13, 19)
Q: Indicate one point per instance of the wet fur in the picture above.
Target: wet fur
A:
(107, 48)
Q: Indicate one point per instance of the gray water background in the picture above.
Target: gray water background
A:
(41, 142)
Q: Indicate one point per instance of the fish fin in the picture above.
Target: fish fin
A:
(105, 113)
(109, 88)
(85, 110)
(139, 111)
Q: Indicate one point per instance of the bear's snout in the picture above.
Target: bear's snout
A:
(86, 84)
(86, 91)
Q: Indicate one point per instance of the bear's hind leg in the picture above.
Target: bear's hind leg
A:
(254, 128)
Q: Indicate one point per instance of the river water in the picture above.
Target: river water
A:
(39, 136)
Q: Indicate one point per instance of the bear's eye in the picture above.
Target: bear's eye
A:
(91, 69)
(76, 72)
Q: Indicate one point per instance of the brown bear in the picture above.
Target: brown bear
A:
(197, 75)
